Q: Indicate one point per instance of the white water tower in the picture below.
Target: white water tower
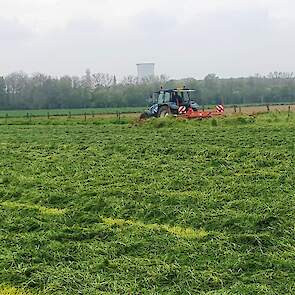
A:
(145, 70)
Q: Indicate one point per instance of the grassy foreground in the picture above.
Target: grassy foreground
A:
(163, 207)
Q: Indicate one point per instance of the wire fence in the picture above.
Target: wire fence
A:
(92, 115)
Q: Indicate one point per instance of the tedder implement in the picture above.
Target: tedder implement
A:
(178, 102)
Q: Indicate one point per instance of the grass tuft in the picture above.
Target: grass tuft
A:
(42, 209)
(175, 230)
(12, 291)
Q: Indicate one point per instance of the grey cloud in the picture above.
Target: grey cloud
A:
(153, 21)
(83, 28)
(13, 31)
(231, 42)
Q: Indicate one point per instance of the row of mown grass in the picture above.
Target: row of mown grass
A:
(160, 207)
(11, 291)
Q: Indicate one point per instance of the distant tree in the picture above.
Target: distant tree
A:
(3, 94)
(102, 80)
(211, 89)
(87, 80)
(130, 80)
(22, 91)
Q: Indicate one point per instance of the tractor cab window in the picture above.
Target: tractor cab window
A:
(180, 97)
(167, 97)
(161, 97)
(155, 97)
(184, 96)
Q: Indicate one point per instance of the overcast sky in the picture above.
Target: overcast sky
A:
(185, 38)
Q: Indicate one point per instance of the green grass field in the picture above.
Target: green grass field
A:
(161, 207)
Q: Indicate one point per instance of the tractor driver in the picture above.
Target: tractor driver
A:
(176, 98)
(180, 98)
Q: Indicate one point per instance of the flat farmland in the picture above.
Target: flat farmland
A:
(132, 112)
(69, 112)
(156, 207)
(112, 114)
(250, 110)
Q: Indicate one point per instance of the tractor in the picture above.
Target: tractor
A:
(179, 103)
(168, 102)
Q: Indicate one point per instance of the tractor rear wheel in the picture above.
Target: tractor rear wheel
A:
(164, 111)
(143, 116)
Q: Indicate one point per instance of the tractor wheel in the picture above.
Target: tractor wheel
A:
(164, 111)
(143, 116)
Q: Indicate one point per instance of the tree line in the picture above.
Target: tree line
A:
(98, 90)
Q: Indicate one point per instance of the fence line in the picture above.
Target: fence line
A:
(86, 116)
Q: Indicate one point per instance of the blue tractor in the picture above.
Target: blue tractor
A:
(168, 102)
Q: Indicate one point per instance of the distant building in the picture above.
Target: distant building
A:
(145, 70)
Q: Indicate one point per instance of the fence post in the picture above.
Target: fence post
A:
(85, 116)
(27, 115)
(240, 109)
(203, 107)
(289, 111)
(235, 108)
(48, 115)
(70, 115)
(92, 114)
(267, 107)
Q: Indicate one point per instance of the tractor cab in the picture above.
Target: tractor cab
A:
(167, 102)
